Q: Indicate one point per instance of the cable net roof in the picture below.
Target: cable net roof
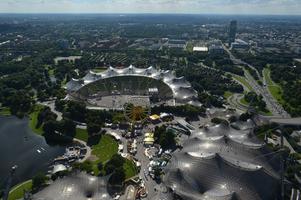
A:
(181, 89)
(79, 186)
(220, 162)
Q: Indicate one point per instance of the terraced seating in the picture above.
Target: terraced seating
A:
(127, 85)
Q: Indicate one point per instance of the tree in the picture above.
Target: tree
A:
(115, 162)
(39, 180)
(232, 119)
(100, 166)
(118, 176)
(60, 105)
(244, 116)
(157, 172)
(44, 115)
(68, 127)
(219, 121)
(165, 138)
(76, 111)
(50, 126)
(93, 128)
(85, 166)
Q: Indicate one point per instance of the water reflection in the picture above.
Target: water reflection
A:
(20, 146)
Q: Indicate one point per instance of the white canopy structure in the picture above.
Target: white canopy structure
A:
(221, 162)
(133, 80)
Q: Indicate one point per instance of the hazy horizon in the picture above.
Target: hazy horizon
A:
(214, 7)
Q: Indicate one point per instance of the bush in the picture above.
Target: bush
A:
(115, 168)
(85, 166)
(219, 121)
(93, 128)
(118, 176)
(39, 180)
(115, 162)
(244, 117)
(232, 119)
(165, 138)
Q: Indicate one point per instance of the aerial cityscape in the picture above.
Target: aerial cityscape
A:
(150, 100)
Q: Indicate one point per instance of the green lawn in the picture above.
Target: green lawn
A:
(266, 74)
(268, 113)
(4, 111)
(243, 101)
(33, 120)
(276, 92)
(104, 150)
(17, 192)
(81, 134)
(227, 94)
(51, 72)
(99, 69)
(64, 82)
(129, 169)
(274, 88)
(243, 81)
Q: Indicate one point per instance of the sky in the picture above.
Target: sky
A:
(268, 7)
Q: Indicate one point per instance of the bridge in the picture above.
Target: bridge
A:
(282, 121)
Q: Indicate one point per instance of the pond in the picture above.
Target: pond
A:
(20, 146)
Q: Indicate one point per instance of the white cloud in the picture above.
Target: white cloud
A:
(153, 6)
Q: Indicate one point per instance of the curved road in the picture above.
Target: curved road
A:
(234, 101)
(272, 104)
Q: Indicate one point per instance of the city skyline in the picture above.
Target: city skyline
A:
(253, 7)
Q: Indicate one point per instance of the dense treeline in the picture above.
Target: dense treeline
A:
(253, 73)
(24, 82)
(256, 101)
(262, 59)
(165, 138)
(283, 73)
(232, 69)
(289, 78)
(209, 80)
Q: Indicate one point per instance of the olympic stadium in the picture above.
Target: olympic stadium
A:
(140, 86)
(221, 162)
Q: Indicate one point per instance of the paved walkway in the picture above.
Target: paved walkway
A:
(89, 150)
(51, 105)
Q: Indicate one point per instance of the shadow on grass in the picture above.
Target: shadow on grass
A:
(94, 140)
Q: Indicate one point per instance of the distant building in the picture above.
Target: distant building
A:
(239, 44)
(216, 49)
(176, 44)
(232, 31)
(200, 49)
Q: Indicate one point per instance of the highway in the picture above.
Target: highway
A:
(283, 121)
(272, 104)
(234, 101)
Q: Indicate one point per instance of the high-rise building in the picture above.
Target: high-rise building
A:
(232, 31)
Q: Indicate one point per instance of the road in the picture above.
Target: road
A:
(234, 101)
(272, 104)
(150, 184)
(152, 187)
(51, 105)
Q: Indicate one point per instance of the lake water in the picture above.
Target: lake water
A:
(20, 146)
